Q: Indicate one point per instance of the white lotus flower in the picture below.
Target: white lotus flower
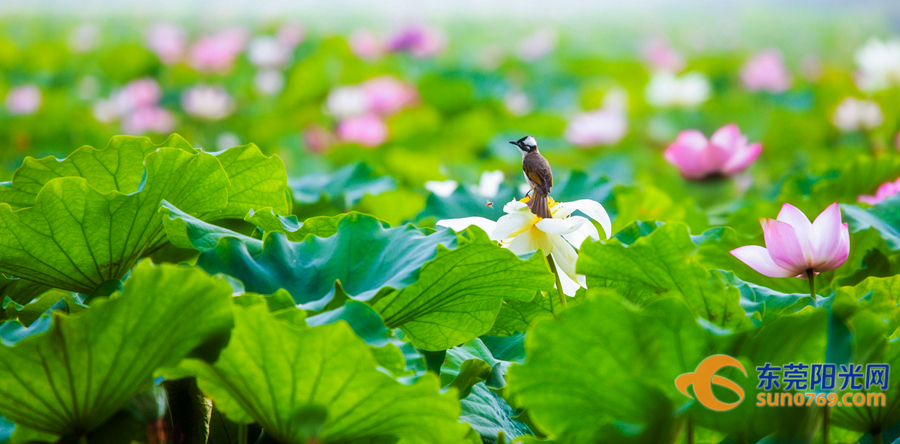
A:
(879, 64)
(522, 232)
(667, 90)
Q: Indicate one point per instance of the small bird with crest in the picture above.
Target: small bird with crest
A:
(537, 173)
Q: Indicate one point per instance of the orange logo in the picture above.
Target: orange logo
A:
(705, 376)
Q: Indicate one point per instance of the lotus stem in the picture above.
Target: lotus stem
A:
(559, 289)
(812, 283)
(877, 439)
(826, 424)
(242, 434)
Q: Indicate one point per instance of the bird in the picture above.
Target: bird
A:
(537, 174)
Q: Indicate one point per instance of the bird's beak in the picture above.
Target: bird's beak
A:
(514, 142)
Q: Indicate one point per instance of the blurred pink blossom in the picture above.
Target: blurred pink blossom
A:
(604, 126)
(795, 246)
(885, 191)
(167, 41)
(268, 52)
(724, 154)
(141, 92)
(419, 40)
(290, 34)
(208, 102)
(387, 95)
(317, 138)
(148, 118)
(217, 52)
(25, 99)
(538, 44)
(661, 56)
(853, 114)
(379, 95)
(366, 44)
(765, 71)
(367, 130)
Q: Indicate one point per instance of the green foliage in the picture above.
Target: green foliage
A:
(319, 383)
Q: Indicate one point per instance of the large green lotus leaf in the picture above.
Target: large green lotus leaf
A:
(517, 316)
(344, 187)
(255, 181)
(20, 291)
(843, 182)
(186, 231)
(794, 338)
(75, 237)
(118, 167)
(363, 256)
(650, 203)
(321, 226)
(320, 384)
(764, 304)
(459, 293)
(484, 410)
(606, 363)
(75, 376)
(661, 262)
(884, 217)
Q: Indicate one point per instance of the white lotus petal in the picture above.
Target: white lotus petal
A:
(560, 226)
(489, 184)
(589, 207)
(531, 240)
(514, 206)
(578, 237)
(512, 224)
(441, 188)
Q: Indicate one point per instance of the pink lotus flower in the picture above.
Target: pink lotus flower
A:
(367, 130)
(139, 93)
(765, 71)
(386, 95)
(167, 41)
(885, 191)
(24, 99)
(660, 55)
(148, 118)
(724, 154)
(217, 52)
(418, 40)
(796, 247)
(601, 127)
(537, 45)
(208, 102)
(366, 44)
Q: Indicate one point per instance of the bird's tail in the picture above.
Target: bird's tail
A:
(539, 205)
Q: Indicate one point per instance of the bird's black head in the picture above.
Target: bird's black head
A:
(526, 144)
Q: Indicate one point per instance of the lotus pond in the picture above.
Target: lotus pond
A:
(272, 233)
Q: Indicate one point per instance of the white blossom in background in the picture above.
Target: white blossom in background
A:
(268, 52)
(207, 102)
(879, 64)
(269, 82)
(441, 188)
(687, 90)
(227, 140)
(23, 100)
(517, 103)
(538, 44)
(854, 114)
(489, 183)
(85, 37)
(347, 101)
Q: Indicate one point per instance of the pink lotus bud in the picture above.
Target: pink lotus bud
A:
(794, 246)
(217, 52)
(366, 44)
(167, 41)
(290, 34)
(367, 130)
(765, 71)
(885, 191)
(148, 119)
(418, 40)
(724, 154)
(317, 138)
(387, 95)
(660, 55)
(24, 99)
(208, 102)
